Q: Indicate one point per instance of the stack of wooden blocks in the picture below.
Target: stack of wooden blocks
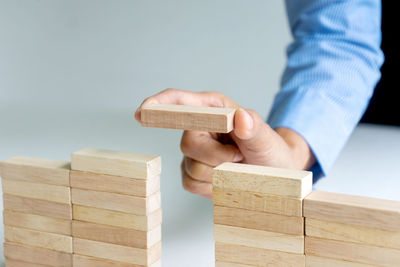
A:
(116, 209)
(37, 212)
(258, 219)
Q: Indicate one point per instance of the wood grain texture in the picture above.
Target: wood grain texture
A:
(363, 211)
(116, 235)
(257, 256)
(35, 170)
(14, 263)
(352, 252)
(352, 233)
(115, 184)
(229, 264)
(118, 219)
(117, 202)
(314, 261)
(62, 243)
(262, 179)
(258, 202)
(258, 220)
(37, 222)
(85, 261)
(258, 239)
(38, 207)
(116, 163)
(117, 253)
(37, 255)
(54, 193)
(194, 118)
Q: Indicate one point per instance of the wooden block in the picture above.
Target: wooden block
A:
(39, 239)
(116, 235)
(117, 202)
(257, 256)
(54, 193)
(85, 261)
(37, 255)
(38, 207)
(259, 220)
(352, 233)
(229, 264)
(37, 222)
(194, 118)
(115, 184)
(14, 263)
(364, 211)
(35, 170)
(118, 219)
(116, 163)
(314, 261)
(262, 179)
(352, 252)
(258, 202)
(258, 239)
(117, 253)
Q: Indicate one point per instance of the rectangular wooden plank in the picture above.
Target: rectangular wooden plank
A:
(347, 209)
(314, 261)
(36, 170)
(14, 263)
(116, 163)
(352, 252)
(37, 222)
(194, 118)
(117, 253)
(117, 202)
(257, 256)
(259, 220)
(229, 264)
(262, 179)
(258, 202)
(115, 184)
(85, 261)
(116, 235)
(38, 207)
(62, 243)
(118, 219)
(259, 239)
(54, 193)
(352, 233)
(37, 255)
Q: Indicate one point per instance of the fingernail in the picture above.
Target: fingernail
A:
(247, 118)
(238, 157)
(149, 102)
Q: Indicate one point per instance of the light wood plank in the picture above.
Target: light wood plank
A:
(258, 220)
(258, 202)
(35, 170)
(118, 219)
(85, 261)
(117, 202)
(314, 261)
(14, 263)
(352, 252)
(262, 179)
(229, 264)
(194, 118)
(115, 184)
(34, 238)
(257, 256)
(116, 235)
(117, 252)
(54, 193)
(116, 163)
(37, 255)
(38, 207)
(364, 211)
(259, 239)
(37, 222)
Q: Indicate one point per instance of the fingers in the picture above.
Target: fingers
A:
(198, 170)
(195, 186)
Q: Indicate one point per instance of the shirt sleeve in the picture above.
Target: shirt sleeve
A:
(332, 69)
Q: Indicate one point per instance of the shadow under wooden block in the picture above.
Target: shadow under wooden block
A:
(116, 235)
(117, 253)
(194, 118)
(85, 261)
(314, 261)
(18, 252)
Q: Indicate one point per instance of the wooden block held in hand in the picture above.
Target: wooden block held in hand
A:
(35, 170)
(262, 179)
(116, 163)
(85, 261)
(194, 118)
(314, 261)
